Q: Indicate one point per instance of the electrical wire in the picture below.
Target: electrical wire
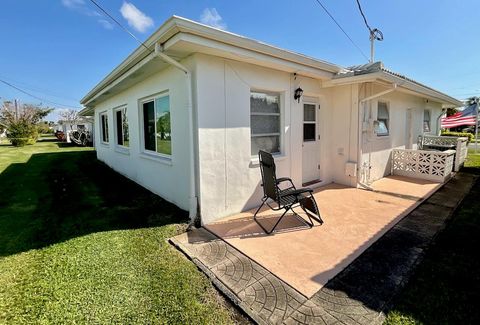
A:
(36, 89)
(341, 28)
(363, 15)
(121, 26)
(36, 97)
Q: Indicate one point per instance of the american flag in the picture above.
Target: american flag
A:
(466, 117)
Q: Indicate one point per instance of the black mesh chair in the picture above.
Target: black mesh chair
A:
(285, 198)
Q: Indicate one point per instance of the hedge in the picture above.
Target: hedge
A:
(470, 136)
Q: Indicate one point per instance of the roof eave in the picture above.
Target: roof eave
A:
(87, 111)
(175, 25)
(401, 82)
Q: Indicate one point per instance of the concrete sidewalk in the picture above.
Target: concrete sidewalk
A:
(357, 295)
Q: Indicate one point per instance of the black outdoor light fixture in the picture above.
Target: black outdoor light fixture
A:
(298, 93)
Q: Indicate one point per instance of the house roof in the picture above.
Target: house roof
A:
(181, 37)
(376, 70)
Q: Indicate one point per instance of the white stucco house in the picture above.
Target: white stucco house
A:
(185, 116)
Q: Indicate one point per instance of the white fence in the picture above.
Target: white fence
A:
(460, 144)
(430, 165)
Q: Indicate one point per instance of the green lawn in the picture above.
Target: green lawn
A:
(164, 146)
(81, 244)
(445, 289)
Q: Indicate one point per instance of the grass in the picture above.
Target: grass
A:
(445, 289)
(81, 244)
(164, 146)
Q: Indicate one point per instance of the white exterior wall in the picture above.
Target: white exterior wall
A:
(169, 179)
(376, 150)
(344, 132)
(229, 175)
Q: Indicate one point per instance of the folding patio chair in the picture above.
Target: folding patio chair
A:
(286, 198)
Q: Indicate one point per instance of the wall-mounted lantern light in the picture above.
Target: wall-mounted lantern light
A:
(298, 93)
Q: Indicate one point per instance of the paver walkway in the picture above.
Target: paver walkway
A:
(357, 295)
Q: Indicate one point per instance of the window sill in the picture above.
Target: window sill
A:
(123, 150)
(254, 162)
(105, 144)
(156, 158)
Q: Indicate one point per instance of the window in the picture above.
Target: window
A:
(382, 127)
(309, 122)
(104, 127)
(156, 125)
(121, 123)
(426, 121)
(264, 122)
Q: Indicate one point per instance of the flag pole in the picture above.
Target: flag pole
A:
(476, 124)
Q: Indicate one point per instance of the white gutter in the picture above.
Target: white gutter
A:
(193, 204)
(360, 131)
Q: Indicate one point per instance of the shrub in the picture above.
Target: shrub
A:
(21, 133)
(21, 122)
(458, 134)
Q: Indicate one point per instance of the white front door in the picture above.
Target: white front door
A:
(311, 143)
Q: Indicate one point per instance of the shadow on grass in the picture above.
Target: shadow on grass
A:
(54, 197)
(65, 144)
(445, 288)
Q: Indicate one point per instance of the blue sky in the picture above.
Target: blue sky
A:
(59, 49)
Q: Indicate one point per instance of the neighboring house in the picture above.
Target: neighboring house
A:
(186, 118)
(82, 124)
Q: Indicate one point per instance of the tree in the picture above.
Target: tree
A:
(21, 122)
(163, 126)
(69, 116)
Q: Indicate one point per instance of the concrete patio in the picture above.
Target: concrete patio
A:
(317, 275)
(353, 220)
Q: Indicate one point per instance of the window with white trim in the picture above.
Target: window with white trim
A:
(265, 122)
(104, 127)
(383, 119)
(157, 133)
(426, 120)
(121, 127)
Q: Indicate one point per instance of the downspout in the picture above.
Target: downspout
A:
(362, 103)
(193, 203)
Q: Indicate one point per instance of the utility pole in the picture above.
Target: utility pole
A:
(372, 47)
(16, 109)
(375, 35)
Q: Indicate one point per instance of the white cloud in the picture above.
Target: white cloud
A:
(73, 4)
(136, 18)
(81, 7)
(105, 23)
(211, 17)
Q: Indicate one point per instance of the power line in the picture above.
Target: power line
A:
(36, 89)
(341, 28)
(363, 15)
(36, 97)
(119, 24)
